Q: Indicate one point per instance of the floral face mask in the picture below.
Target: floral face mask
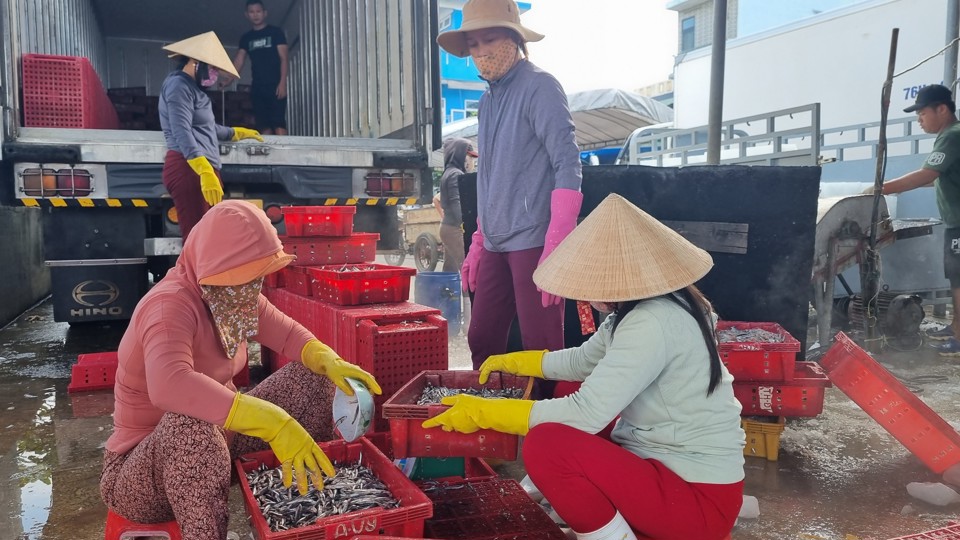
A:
(498, 62)
(234, 310)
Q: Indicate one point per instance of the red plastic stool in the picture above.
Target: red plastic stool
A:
(119, 528)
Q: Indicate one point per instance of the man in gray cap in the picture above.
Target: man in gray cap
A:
(936, 113)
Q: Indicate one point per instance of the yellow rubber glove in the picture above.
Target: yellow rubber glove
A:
(468, 414)
(240, 133)
(294, 447)
(209, 183)
(322, 360)
(526, 363)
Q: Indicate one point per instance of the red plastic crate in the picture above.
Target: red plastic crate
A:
(320, 250)
(273, 280)
(65, 92)
(802, 396)
(318, 220)
(368, 537)
(758, 361)
(396, 352)
(950, 532)
(487, 509)
(346, 320)
(351, 285)
(95, 371)
(296, 279)
(892, 405)
(397, 341)
(410, 438)
(407, 520)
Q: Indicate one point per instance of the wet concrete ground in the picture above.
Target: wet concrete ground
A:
(838, 477)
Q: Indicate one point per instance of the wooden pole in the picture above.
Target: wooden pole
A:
(870, 268)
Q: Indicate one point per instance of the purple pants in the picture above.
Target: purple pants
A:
(505, 290)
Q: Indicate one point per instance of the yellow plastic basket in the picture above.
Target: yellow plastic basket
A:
(763, 438)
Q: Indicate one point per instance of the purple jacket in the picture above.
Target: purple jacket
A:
(527, 148)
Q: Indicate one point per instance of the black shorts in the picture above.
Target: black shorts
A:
(270, 112)
(951, 256)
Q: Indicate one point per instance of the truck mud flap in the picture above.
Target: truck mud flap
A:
(41, 153)
(92, 290)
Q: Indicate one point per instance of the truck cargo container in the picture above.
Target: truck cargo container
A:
(363, 114)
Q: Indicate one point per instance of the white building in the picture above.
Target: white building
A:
(785, 53)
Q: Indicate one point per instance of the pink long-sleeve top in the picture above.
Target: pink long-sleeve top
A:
(170, 358)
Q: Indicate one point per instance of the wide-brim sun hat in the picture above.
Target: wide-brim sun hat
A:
(245, 273)
(620, 253)
(482, 14)
(206, 48)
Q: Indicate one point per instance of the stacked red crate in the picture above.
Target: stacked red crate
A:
(64, 92)
(768, 381)
(358, 308)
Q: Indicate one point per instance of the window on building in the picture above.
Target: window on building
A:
(687, 34)
(446, 21)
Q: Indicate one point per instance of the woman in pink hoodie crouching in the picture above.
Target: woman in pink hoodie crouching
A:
(178, 419)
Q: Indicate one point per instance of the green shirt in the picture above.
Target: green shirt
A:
(945, 159)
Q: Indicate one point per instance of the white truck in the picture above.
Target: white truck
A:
(364, 114)
(835, 62)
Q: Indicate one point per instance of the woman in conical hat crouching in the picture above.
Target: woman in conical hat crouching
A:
(674, 468)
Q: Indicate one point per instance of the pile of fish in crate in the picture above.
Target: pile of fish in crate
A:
(361, 309)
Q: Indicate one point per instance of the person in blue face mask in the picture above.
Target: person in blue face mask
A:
(191, 168)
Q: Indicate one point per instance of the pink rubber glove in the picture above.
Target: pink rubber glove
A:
(564, 209)
(468, 273)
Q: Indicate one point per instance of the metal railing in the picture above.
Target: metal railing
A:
(784, 137)
(861, 140)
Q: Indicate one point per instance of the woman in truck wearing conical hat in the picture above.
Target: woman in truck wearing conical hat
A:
(528, 181)
(191, 168)
(178, 420)
(674, 466)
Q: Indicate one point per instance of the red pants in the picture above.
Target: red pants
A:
(183, 185)
(587, 479)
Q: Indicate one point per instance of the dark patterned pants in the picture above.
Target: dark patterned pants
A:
(181, 471)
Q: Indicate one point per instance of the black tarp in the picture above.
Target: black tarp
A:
(768, 283)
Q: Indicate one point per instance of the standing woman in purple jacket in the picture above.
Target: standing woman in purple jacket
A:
(528, 182)
(191, 168)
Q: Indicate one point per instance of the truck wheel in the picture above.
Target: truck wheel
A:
(426, 252)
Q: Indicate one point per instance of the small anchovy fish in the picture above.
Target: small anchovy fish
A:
(433, 394)
(355, 268)
(753, 335)
(352, 489)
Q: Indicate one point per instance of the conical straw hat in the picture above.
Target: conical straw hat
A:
(481, 14)
(621, 253)
(205, 48)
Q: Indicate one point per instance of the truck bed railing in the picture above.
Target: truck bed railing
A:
(784, 137)
(859, 141)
